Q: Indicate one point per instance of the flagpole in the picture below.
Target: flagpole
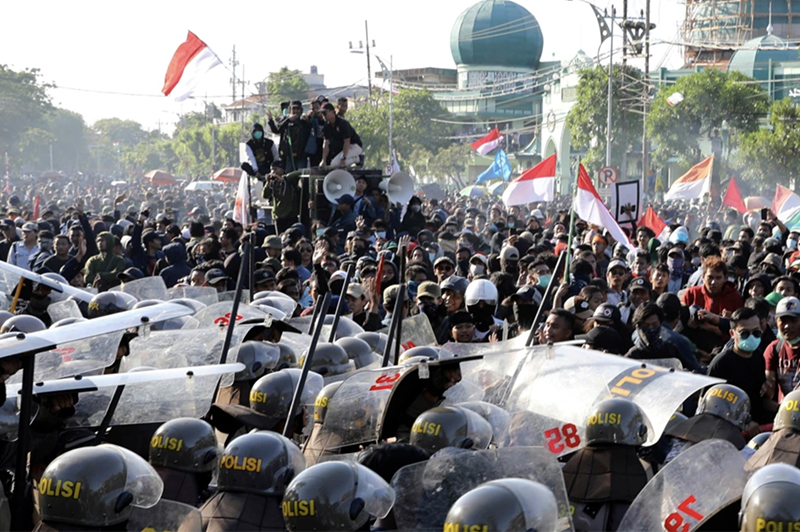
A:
(571, 231)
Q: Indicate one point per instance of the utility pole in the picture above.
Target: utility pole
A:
(243, 83)
(51, 155)
(646, 96)
(610, 89)
(234, 63)
(391, 108)
(623, 166)
(369, 69)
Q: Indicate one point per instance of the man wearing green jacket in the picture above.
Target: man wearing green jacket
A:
(102, 269)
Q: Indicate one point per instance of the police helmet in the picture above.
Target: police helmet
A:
(450, 426)
(193, 304)
(335, 496)
(5, 316)
(769, 501)
(788, 416)
(147, 303)
(22, 323)
(67, 321)
(107, 303)
(419, 353)
(727, 402)
(55, 277)
(258, 358)
(505, 505)
(481, 290)
(616, 421)
(676, 418)
(259, 462)
(185, 444)
(375, 340)
(272, 394)
(323, 401)
(329, 360)
(357, 350)
(288, 359)
(96, 486)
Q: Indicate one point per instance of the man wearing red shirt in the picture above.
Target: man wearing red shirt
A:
(782, 355)
(717, 294)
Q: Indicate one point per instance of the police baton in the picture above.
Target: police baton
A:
(554, 281)
(340, 304)
(404, 286)
(298, 393)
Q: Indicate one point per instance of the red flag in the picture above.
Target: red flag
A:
(36, 208)
(192, 59)
(534, 184)
(653, 221)
(590, 207)
(489, 142)
(733, 197)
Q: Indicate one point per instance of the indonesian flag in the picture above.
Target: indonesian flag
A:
(192, 59)
(589, 207)
(535, 184)
(653, 221)
(786, 206)
(36, 208)
(694, 183)
(488, 143)
(733, 197)
(241, 208)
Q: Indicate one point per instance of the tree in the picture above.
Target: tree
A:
(769, 155)
(452, 162)
(588, 119)
(709, 98)
(286, 85)
(23, 104)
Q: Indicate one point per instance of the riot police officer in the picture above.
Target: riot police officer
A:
(603, 478)
(450, 426)
(184, 452)
(329, 360)
(783, 445)
(258, 358)
(769, 501)
(254, 472)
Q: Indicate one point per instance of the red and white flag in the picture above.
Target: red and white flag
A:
(652, 220)
(241, 208)
(532, 185)
(733, 197)
(590, 207)
(693, 184)
(488, 143)
(191, 61)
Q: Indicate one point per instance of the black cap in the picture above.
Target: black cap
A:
(328, 107)
(604, 338)
(459, 317)
(215, 275)
(262, 276)
(526, 293)
(297, 103)
(131, 274)
(258, 127)
(640, 282)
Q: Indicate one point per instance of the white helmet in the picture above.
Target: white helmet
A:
(481, 290)
(679, 236)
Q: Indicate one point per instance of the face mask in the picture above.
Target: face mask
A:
(749, 344)
(359, 251)
(544, 280)
(415, 208)
(791, 243)
(763, 234)
(432, 256)
(320, 231)
(476, 269)
(695, 261)
(428, 308)
(791, 342)
(776, 232)
(257, 135)
(650, 336)
(412, 288)
(674, 263)
(381, 234)
(512, 225)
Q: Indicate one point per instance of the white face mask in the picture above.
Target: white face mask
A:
(476, 269)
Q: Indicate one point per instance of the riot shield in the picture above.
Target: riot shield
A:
(204, 294)
(230, 295)
(219, 314)
(165, 516)
(63, 309)
(496, 372)
(463, 392)
(499, 419)
(417, 331)
(174, 349)
(152, 287)
(11, 274)
(691, 489)
(346, 327)
(426, 491)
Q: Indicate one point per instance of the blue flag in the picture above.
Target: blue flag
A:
(499, 169)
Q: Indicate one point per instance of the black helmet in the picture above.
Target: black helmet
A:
(335, 496)
(769, 501)
(616, 421)
(260, 462)
(505, 505)
(185, 444)
(676, 418)
(22, 323)
(358, 351)
(375, 340)
(96, 486)
(727, 402)
(329, 360)
(258, 358)
(107, 303)
(788, 416)
(288, 358)
(422, 352)
(450, 426)
(323, 401)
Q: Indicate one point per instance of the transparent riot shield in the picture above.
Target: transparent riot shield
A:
(426, 491)
(204, 294)
(219, 314)
(230, 295)
(496, 372)
(165, 516)
(81, 357)
(499, 419)
(63, 309)
(174, 349)
(417, 331)
(691, 489)
(152, 287)
(346, 327)
(463, 392)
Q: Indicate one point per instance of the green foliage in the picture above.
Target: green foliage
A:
(286, 85)
(587, 120)
(23, 105)
(769, 155)
(710, 97)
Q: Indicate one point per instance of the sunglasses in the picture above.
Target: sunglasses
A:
(306, 250)
(445, 268)
(744, 335)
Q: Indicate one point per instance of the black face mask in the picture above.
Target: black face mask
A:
(483, 316)
(524, 315)
(505, 312)
(359, 251)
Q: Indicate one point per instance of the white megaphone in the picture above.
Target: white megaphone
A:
(337, 184)
(399, 188)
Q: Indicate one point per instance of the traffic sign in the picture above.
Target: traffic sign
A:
(388, 169)
(608, 175)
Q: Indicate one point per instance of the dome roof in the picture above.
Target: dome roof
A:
(753, 59)
(497, 33)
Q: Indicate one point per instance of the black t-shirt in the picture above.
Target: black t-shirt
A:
(370, 325)
(338, 132)
(745, 373)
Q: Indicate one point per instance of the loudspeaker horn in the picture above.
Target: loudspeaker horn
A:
(399, 188)
(337, 184)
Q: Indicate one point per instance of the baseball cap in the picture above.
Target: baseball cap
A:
(526, 293)
(456, 284)
(328, 107)
(772, 259)
(346, 199)
(509, 253)
(30, 226)
(215, 275)
(131, 274)
(442, 260)
(7, 222)
(606, 313)
(640, 283)
(788, 306)
(618, 263)
(429, 289)
(262, 276)
(578, 306)
(355, 290)
(773, 298)
(273, 242)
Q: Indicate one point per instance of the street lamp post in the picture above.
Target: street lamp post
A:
(51, 155)
(610, 89)
(359, 51)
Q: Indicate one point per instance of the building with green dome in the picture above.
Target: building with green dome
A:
(773, 61)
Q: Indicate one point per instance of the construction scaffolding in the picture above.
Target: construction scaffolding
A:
(714, 29)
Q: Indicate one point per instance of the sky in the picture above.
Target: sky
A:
(109, 60)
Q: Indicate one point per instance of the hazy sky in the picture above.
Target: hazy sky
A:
(126, 47)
